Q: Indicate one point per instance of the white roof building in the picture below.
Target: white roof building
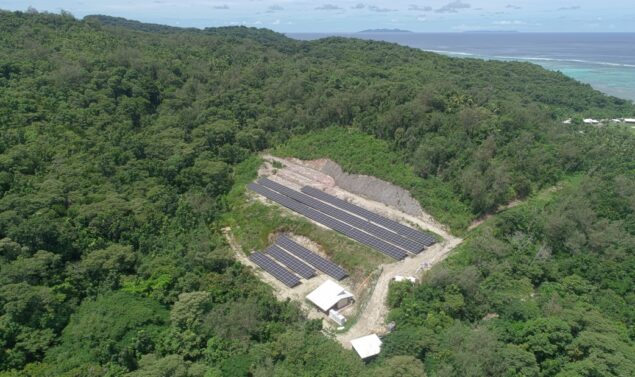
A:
(330, 295)
(367, 346)
(629, 120)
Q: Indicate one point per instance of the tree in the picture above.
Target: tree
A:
(43, 268)
(400, 366)
(546, 337)
(188, 312)
(106, 329)
(415, 342)
(101, 270)
(168, 366)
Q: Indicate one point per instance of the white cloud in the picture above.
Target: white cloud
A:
(419, 8)
(574, 7)
(453, 7)
(509, 22)
(274, 8)
(328, 7)
(380, 10)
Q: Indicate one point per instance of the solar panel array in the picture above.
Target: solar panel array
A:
(358, 222)
(293, 263)
(276, 270)
(310, 257)
(339, 226)
(405, 231)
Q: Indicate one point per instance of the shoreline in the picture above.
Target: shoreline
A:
(615, 79)
(596, 74)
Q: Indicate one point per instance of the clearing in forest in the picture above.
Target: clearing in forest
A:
(371, 271)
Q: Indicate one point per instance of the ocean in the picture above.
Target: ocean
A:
(606, 61)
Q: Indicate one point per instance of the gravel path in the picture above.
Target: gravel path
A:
(373, 316)
(373, 311)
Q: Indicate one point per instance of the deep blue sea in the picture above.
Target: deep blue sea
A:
(604, 60)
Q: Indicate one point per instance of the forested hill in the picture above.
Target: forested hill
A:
(124, 147)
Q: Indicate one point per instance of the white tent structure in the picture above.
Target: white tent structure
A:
(330, 295)
(367, 346)
(399, 278)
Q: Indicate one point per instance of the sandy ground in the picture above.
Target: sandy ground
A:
(373, 309)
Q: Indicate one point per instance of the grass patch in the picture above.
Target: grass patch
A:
(254, 223)
(359, 153)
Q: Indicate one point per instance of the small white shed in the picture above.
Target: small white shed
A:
(367, 346)
(399, 278)
(330, 295)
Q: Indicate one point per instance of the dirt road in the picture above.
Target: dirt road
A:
(373, 311)
(373, 315)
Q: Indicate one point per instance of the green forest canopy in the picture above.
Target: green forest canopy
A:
(124, 147)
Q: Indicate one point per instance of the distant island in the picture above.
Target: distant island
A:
(490, 31)
(385, 31)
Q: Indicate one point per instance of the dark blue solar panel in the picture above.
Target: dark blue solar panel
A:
(405, 231)
(357, 222)
(293, 263)
(310, 257)
(273, 268)
(347, 230)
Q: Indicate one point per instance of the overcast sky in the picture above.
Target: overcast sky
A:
(351, 16)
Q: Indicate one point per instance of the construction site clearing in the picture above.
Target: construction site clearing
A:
(354, 312)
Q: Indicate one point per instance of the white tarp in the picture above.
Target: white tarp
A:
(367, 346)
(328, 294)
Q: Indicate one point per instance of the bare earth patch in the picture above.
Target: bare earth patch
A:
(370, 311)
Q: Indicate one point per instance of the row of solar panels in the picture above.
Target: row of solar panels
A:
(313, 259)
(287, 252)
(276, 270)
(399, 228)
(356, 221)
(379, 232)
(330, 222)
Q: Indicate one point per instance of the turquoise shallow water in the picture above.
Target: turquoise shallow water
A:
(616, 81)
(613, 79)
(606, 61)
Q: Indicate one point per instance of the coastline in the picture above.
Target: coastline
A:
(614, 79)
(606, 69)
